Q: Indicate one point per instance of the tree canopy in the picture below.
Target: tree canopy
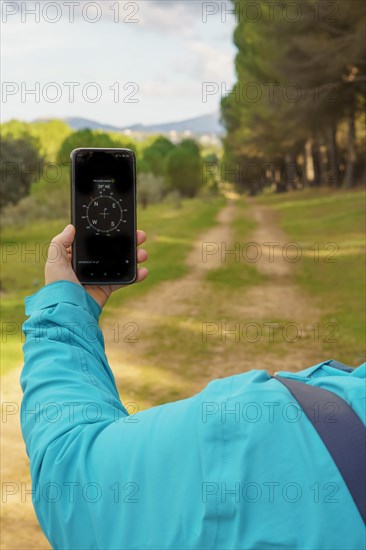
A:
(184, 168)
(301, 75)
(21, 164)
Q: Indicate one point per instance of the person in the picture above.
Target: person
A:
(236, 466)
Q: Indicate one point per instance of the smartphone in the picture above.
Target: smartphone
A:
(103, 204)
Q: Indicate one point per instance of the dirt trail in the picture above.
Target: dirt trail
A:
(280, 297)
(168, 299)
(19, 526)
(277, 298)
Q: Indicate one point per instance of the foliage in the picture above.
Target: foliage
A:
(49, 134)
(20, 165)
(184, 168)
(211, 171)
(299, 79)
(84, 138)
(155, 155)
(149, 189)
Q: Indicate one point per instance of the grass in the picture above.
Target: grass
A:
(171, 232)
(335, 277)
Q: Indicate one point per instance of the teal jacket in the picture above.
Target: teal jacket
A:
(237, 466)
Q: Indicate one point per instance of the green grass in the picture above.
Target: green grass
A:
(336, 280)
(171, 233)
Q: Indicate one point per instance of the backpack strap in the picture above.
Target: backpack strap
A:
(340, 366)
(344, 436)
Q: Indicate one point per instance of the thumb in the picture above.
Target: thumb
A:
(61, 242)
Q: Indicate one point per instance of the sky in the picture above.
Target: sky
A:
(116, 62)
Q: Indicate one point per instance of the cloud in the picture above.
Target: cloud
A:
(157, 13)
(173, 18)
(164, 89)
(206, 63)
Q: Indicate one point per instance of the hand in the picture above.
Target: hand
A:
(59, 266)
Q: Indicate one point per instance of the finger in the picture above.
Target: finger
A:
(66, 237)
(142, 256)
(142, 274)
(62, 242)
(141, 237)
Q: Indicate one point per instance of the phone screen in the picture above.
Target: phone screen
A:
(104, 215)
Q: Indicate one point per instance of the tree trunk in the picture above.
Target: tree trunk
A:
(280, 178)
(322, 160)
(333, 157)
(270, 176)
(307, 165)
(363, 178)
(291, 171)
(351, 152)
(315, 162)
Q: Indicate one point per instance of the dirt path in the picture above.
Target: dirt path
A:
(281, 298)
(169, 298)
(19, 526)
(277, 298)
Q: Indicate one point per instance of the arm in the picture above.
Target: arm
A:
(102, 479)
(70, 396)
(66, 378)
(64, 348)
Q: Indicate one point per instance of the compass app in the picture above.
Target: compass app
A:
(104, 215)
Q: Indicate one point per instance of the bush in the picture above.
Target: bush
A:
(20, 165)
(155, 155)
(50, 202)
(149, 189)
(174, 198)
(184, 168)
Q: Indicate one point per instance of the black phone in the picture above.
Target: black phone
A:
(103, 204)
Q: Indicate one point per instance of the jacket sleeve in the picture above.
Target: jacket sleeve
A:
(67, 383)
(66, 379)
(101, 478)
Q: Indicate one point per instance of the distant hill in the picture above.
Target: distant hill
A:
(205, 124)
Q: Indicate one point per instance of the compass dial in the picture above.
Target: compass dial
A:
(105, 214)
